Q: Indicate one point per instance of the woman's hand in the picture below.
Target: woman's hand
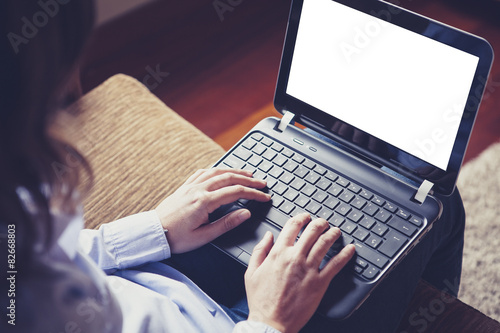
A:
(185, 213)
(283, 282)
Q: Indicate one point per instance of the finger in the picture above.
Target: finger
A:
(311, 234)
(229, 179)
(230, 194)
(214, 172)
(195, 176)
(338, 262)
(208, 232)
(260, 252)
(322, 245)
(291, 230)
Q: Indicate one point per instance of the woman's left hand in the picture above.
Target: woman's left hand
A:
(185, 213)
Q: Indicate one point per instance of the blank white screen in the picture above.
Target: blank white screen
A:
(404, 88)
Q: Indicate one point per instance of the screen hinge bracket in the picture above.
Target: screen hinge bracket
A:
(423, 191)
(285, 121)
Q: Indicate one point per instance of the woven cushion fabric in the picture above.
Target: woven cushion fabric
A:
(140, 150)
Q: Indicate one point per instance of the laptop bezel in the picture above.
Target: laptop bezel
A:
(405, 164)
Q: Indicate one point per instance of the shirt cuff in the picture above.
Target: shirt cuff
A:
(137, 239)
(248, 326)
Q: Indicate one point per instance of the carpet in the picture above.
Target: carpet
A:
(479, 184)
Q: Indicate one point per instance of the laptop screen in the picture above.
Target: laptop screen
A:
(392, 85)
(399, 86)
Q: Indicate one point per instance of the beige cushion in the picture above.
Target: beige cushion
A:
(139, 149)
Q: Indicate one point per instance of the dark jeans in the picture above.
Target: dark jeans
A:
(437, 259)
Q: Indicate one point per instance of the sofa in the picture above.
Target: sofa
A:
(140, 151)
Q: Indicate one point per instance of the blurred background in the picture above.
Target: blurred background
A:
(216, 61)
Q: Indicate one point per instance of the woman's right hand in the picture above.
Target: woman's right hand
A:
(283, 282)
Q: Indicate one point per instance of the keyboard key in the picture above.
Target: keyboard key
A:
(242, 153)
(255, 160)
(320, 196)
(343, 209)
(343, 182)
(358, 203)
(297, 158)
(313, 207)
(277, 146)
(323, 184)
(234, 163)
(371, 272)
(301, 172)
(277, 217)
(280, 160)
(271, 182)
(277, 201)
(319, 169)
(378, 200)
(361, 262)
(302, 201)
(354, 188)
(392, 245)
(336, 220)
(288, 152)
(367, 222)
(335, 190)
(374, 241)
(312, 178)
(403, 214)
(416, 221)
(355, 215)
(297, 184)
(257, 136)
(269, 155)
(383, 215)
(290, 166)
(325, 213)
(379, 229)
(291, 195)
(249, 144)
(259, 149)
(346, 196)
(332, 176)
(309, 164)
(287, 207)
(366, 194)
(370, 209)
(361, 234)
(402, 226)
(308, 190)
(276, 172)
(331, 202)
(390, 207)
(267, 141)
(265, 166)
(370, 255)
(280, 188)
(348, 227)
(287, 177)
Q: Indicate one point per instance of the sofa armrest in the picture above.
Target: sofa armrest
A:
(140, 150)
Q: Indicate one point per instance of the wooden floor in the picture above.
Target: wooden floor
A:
(218, 69)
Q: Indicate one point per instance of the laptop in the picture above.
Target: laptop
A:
(384, 101)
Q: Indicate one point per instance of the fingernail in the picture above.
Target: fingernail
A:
(244, 215)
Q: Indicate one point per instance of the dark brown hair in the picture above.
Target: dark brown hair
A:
(41, 43)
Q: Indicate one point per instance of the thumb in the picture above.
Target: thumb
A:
(260, 252)
(230, 221)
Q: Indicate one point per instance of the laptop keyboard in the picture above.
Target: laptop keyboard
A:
(378, 228)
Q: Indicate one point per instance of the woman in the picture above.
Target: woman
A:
(60, 287)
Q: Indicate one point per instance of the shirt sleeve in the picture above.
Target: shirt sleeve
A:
(127, 242)
(248, 326)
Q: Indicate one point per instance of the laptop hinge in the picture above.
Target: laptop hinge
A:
(423, 191)
(285, 121)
